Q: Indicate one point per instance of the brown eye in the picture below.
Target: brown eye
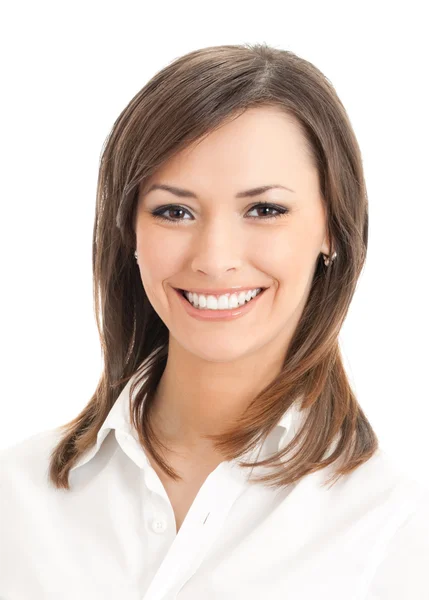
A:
(261, 206)
(264, 206)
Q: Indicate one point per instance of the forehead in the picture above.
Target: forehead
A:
(260, 146)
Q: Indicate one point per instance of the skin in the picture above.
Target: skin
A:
(214, 369)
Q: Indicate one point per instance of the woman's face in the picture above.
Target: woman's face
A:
(218, 240)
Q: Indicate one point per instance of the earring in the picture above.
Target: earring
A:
(328, 260)
(135, 254)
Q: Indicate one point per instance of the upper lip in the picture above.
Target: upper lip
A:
(220, 291)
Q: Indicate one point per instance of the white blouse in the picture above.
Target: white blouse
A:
(113, 536)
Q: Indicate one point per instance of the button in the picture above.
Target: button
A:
(159, 525)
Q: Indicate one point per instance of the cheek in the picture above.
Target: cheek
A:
(158, 263)
(289, 260)
(277, 255)
(158, 254)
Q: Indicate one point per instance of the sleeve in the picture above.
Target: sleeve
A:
(403, 573)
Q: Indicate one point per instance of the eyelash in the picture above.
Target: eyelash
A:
(157, 214)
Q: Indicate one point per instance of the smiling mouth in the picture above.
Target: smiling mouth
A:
(218, 295)
(184, 292)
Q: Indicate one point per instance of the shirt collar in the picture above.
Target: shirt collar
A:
(119, 420)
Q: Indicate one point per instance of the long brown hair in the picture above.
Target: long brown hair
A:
(182, 103)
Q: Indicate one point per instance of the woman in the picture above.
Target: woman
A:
(223, 453)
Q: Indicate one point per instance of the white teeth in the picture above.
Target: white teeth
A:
(224, 302)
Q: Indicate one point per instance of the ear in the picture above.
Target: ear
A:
(326, 247)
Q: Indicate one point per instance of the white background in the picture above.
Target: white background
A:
(68, 70)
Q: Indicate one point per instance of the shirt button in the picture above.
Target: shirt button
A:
(159, 525)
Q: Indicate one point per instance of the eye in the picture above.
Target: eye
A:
(159, 212)
(266, 206)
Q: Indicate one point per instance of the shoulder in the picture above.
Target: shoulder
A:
(409, 490)
(399, 504)
(27, 460)
(383, 479)
(410, 497)
(401, 570)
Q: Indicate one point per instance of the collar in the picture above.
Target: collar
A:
(119, 420)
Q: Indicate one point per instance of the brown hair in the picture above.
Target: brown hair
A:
(181, 104)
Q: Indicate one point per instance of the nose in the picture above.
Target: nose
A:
(218, 250)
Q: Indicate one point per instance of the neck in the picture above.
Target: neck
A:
(187, 407)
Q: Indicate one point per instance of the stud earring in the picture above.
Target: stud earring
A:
(135, 254)
(328, 260)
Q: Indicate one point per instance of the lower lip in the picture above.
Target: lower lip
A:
(218, 315)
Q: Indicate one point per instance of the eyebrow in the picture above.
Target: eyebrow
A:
(182, 193)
